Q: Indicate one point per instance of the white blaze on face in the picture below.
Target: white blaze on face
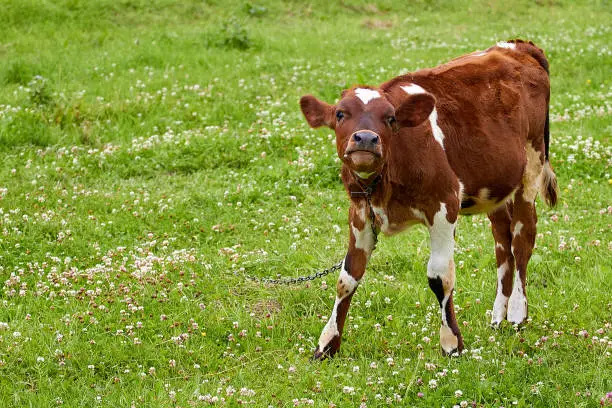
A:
(506, 45)
(366, 95)
(414, 89)
(501, 301)
(517, 304)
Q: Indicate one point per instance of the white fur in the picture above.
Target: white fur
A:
(532, 175)
(364, 239)
(331, 328)
(501, 302)
(413, 89)
(380, 213)
(437, 132)
(461, 190)
(507, 45)
(483, 194)
(517, 304)
(500, 246)
(517, 229)
(442, 240)
(442, 243)
(350, 282)
(366, 95)
(420, 215)
(448, 341)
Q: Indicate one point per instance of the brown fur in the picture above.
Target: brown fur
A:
(492, 109)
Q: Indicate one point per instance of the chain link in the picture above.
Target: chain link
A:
(293, 280)
(282, 280)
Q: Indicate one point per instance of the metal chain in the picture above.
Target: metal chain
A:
(293, 280)
(281, 280)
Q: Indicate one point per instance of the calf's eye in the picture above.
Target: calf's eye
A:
(391, 121)
(339, 115)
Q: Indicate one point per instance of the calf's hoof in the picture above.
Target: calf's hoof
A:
(328, 350)
(320, 355)
(517, 308)
(450, 343)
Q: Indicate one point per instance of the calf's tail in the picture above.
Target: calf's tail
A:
(549, 188)
(548, 180)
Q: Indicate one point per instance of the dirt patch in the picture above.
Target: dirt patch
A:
(266, 307)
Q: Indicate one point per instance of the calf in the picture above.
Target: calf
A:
(470, 136)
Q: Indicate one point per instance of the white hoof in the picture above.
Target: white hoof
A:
(517, 306)
(448, 341)
(500, 309)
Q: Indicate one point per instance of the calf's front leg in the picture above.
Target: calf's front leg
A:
(361, 245)
(441, 274)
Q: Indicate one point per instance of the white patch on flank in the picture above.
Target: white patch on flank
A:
(437, 132)
(517, 229)
(331, 328)
(501, 302)
(517, 304)
(366, 95)
(531, 176)
(507, 45)
(413, 89)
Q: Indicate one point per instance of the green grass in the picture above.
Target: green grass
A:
(153, 153)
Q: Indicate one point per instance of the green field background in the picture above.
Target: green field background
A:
(153, 153)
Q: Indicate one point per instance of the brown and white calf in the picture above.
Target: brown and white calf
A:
(470, 136)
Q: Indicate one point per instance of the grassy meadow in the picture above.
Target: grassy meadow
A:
(153, 153)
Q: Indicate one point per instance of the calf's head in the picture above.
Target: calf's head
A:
(366, 122)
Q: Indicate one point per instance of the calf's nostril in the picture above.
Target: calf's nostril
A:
(375, 140)
(357, 138)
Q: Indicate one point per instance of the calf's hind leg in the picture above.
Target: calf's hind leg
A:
(500, 225)
(523, 227)
(524, 219)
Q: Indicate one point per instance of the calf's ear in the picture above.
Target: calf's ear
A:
(415, 109)
(316, 112)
